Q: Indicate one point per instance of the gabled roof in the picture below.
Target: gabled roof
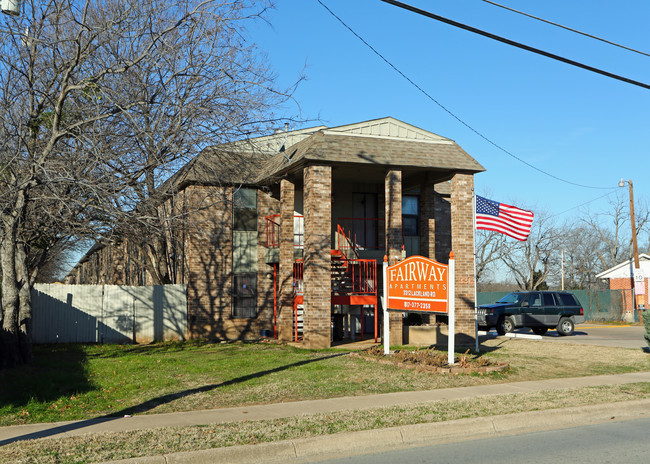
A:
(378, 142)
(624, 269)
(387, 127)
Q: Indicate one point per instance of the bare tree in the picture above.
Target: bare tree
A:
(490, 248)
(612, 227)
(99, 100)
(531, 262)
(580, 251)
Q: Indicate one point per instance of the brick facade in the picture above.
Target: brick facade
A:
(285, 272)
(393, 220)
(428, 220)
(627, 285)
(202, 246)
(209, 263)
(317, 257)
(462, 243)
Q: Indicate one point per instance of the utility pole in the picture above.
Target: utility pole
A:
(638, 299)
(562, 269)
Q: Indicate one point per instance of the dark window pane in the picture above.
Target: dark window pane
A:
(548, 299)
(410, 225)
(568, 299)
(535, 299)
(244, 219)
(410, 205)
(245, 198)
(245, 296)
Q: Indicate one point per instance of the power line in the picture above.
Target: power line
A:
(583, 204)
(453, 115)
(515, 44)
(567, 28)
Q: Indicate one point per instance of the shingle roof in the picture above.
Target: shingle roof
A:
(244, 163)
(354, 149)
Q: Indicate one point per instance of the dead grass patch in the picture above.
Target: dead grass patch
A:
(114, 446)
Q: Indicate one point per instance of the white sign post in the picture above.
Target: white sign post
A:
(384, 304)
(452, 311)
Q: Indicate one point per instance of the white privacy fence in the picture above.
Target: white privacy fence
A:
(108, 313)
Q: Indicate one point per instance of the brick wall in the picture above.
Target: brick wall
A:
(393, 220)
(462, 242)
(627, 284)
(285, 271)
(208, 249)
(317, 255)
(428, 220)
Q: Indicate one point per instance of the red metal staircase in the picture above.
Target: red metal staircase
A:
(353, 280)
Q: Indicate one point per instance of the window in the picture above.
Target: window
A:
(245, 209)
(245, 295)
(548, 299)
(410, 218)
(567, 299)
(244, 253)
(535, 300)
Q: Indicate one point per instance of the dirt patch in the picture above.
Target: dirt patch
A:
(431, 360)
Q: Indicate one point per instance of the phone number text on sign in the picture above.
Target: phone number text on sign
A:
(416, 305)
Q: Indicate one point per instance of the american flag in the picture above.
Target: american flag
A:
(509, 220)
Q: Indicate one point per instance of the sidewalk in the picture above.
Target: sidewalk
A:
(280, 410)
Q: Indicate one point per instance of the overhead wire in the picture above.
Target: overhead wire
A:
(513, 43)
(453, 115)
(591, 36)
(583, 204)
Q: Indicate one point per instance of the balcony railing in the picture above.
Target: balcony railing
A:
(273, 231)
(363, 233)
(359, 279)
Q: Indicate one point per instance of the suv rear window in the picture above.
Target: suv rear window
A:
(548, 299)
(567, 299)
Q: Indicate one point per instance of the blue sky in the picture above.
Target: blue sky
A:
(571, 123)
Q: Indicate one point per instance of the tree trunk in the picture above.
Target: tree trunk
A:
(10, 343)
(24, 305)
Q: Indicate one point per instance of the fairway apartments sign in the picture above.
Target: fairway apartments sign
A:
(418, 284)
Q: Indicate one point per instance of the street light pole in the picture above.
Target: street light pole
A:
(635, 248)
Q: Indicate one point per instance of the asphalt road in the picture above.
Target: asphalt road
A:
(611, 442)
(626, 336)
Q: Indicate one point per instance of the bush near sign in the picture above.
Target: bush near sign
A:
(418, 284)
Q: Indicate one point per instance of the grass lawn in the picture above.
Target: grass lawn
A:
(69, 382)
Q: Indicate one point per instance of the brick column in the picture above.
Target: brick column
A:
(285, 270)
(318, 249)
(462, 243)
(428, 220)
(266, 206)
(394, 240)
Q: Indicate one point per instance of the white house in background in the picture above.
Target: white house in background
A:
(621, 277)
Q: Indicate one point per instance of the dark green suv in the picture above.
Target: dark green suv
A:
(538, 311)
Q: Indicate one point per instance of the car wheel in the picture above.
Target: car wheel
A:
(540, 330)
(505, 325)
(565, 326)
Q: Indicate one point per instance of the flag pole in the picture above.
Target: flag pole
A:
(474, 245)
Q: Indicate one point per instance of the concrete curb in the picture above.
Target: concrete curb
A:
(367, 441)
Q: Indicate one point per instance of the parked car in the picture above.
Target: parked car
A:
(538, 311)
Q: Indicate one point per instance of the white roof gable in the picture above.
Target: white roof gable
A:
(380, 128)
(624, 270)
(388, 127)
